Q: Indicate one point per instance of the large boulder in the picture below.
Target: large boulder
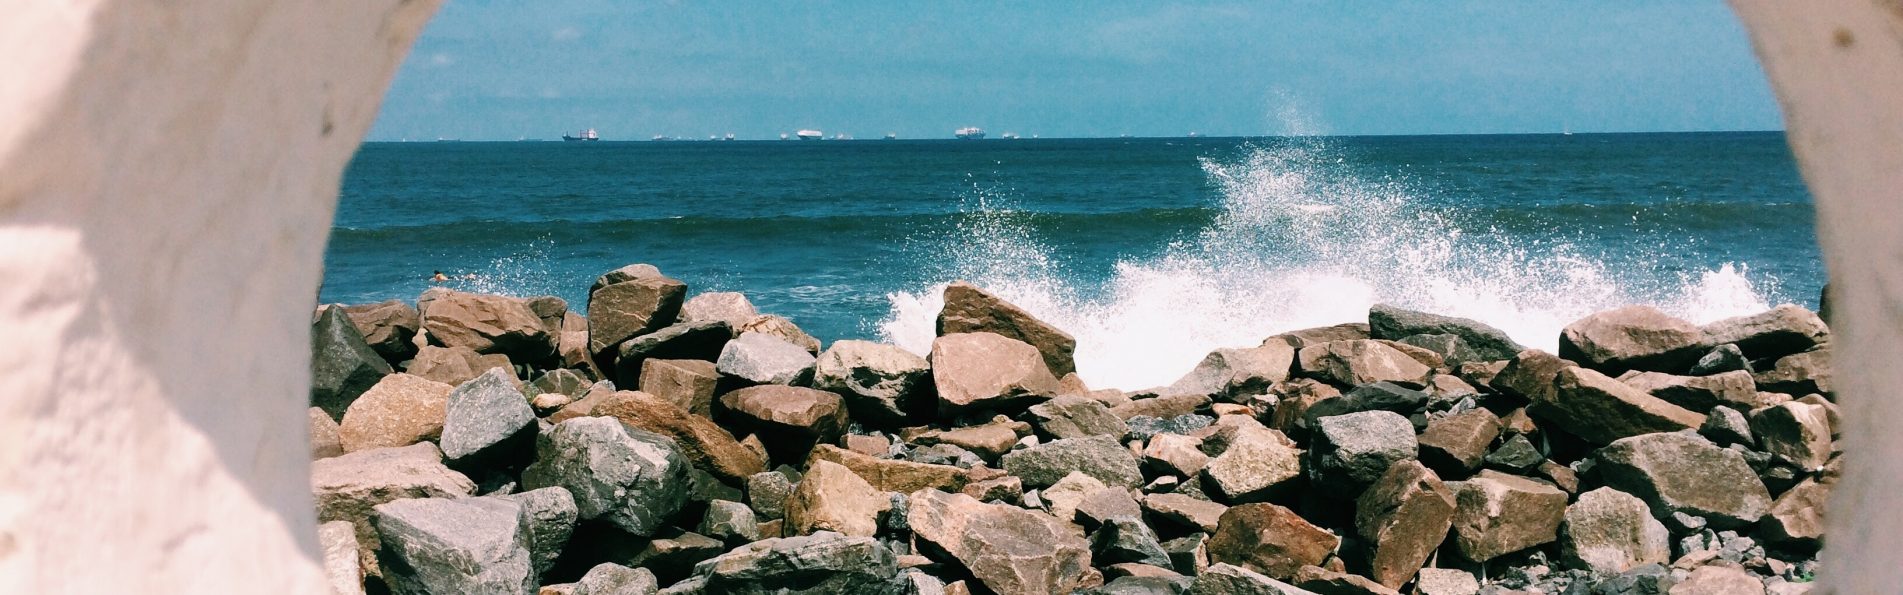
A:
(1258, 463)
(988, 371)
(1795, 431)
(1358, 362)
(1186, 512)
(884, 385)
(685, 341)
(1777, 332)
(548, 519)
(1395, 324)
(1351, 451)
(893, 475)
(1232, 373)
(830, 497)
(705, 443)
(1609, 532)
(687, 383)
(1456, 444)
(1796, 519)
(1698, 393)
(731, 307)
(1685, 473)
(1496, 513)
(1010, 549)
(1590, 405)
(462, 545)
(760, 358)
(342, 365)
(347, 488)
(1798, 374)
(633, 479)
(399, 411)
(1404, 516)
(969, 309)
(1376, 396)
(389, 327)
(1633, 338)
(488, 421)
(1529, 375)
(823, 563)
(454, 365)
(627, 302)
(790, 419)
(1072, 416)
(487, 324)
(1100, 457)
(1269, 539)
(780, 327)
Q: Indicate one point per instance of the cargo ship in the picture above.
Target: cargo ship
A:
(585, 135)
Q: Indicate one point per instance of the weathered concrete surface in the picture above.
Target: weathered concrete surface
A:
(1837, 68)
(161, 265)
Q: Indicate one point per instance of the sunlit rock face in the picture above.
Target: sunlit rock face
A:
(168, 171)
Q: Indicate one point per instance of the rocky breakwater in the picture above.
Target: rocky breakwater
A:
(673, 444)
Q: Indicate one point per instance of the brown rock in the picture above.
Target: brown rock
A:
(1680, 472)
(1269, 539)
(1006, 488)
(347, 488)
(324, 440)
(1457, 444)
(1164, 407)
(1529, 375)
(893, 475)
(1229, 373)
(1011, 550)
(1189, 512)
(399, 411)
(1322, 581)
(1426, 357)
(1718, 580)
(1103, 505)
(781, 328)
(1780, 331)
(989, 440)
(1258, 463)
(1175, 454)
(688, 383)
(585, 405)
(1796, 432)
(706, 444)
(572, 345)
(1496, 513)
(731, 307)
(975, 371)
(1295, 397)
(969, 309)
(1698, 393)
(1405, 515)
(790, 418)
(454, 365)
(487, 324)
(1633, 338)
(546, 404)
(1600, 409)
(831, 497)
(1446, 581)
(876, 446)
(389, 327)
(1797, 518)
(1323, 334)
(1354, 363)
(629, 301)
(1609, 532)
(1798, 374)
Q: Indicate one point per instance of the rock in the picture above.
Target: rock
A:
(1178, 455)
(1725, 426)
(945, 454)
(1127, 540)
(1797, 432)
(1721, 359)
(1009, 549)
(791, 418)
(1600, 409)
(1796, 519)
(389, 328)
(342, 365)
(1188, 554)
(767, 492)
(823, 563)
(1231, 373)
(1516, 454)
(1161, 407)
(832, 498)
(1488, 343)
(730, 522)
(487, 324)
(1064, 495)
(1354, 363)
(1377, 396)
(1351, 451)
(1778, 332)
(1144, 427)
(463, 545)
(998, 489)
(1404, 515)
(685, 341)
(560, 381)
(1329, 582)
(883, 384)
(454, 365)
(571, 345)
(325, 442)
(687, 383)
(1718, 580)
(986, 371)
(348, 487)
(969, 309)
(1633, 338)
(627, 302)
(731, 307)
(548, 520)
(1456, 444)
(704, 442)
(760, 358)
(1697, 393)
(1270, 539)
(891, 475)
(1446, 581)
(488, 420)
(1496, 513)
(1100, 457)
(778, 326)
(1188, 512)
(1227, 579)
(1138, 585)
(1257, 464)
(1798, 374)
(1609, 532)
(633, 479)
(1529, 375)
(1452, 350)
(989, 440)
(343, 566)
(1676, 472)
(1071, 416)
(1101, 506)
(609, 578)
(546, 404)
(675, 558)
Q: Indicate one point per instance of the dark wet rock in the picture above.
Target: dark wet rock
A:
(684, 341)
(1516, 454)
(969, 309)
(1456, 444)
(1593, 406)
(1496, 513)
(883, 384)
(1230, 373)
(1270, 539)
(1404, 515)
(1608, 532)
(388, 327)
(1488, 343)
(1351, 451)
(461, 545)
(1633, 338)
(822, 563)
(1780, 331)
(1678, 472)
(342, 365)
(1009, 549)
(628, 302)
(634, 479)
(1100, 457)
(1721, 359)
(488, 421)
(1354, 363)
(1071, 416)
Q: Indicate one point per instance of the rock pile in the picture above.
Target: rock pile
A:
(668, 444)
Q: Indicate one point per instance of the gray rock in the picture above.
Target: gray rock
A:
(548, 517)
(767, 491)
(614, 579)
(1072, 416)
(821, 563)
(730, 521)
(1777, 332)
(760, 358)
(1678, 472)
(1127, 540)
(1226, 579)
(1351, 451)
(1452, 349)
(1229, 373)
(343, 563)
(1140, 585)
(462, 545)
(1488, 343)
(1142, 427)
(488, 419)
(1515, 454)
(635, 480)
(1608, 532)
(347, 488)
(562, 381)
(1188, 554)
(342, 364)
(1100, 457)
(945, 454)
(883, 385)
(1721, 359)
(703, 340)
(1726, 426)
(1650, 578)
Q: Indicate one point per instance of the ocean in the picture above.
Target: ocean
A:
(1151, 251)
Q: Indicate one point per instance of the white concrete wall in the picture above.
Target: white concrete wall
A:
(168, 172)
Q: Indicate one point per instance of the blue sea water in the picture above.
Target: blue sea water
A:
(1150, 251)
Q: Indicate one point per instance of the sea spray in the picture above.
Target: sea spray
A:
(1300, 241)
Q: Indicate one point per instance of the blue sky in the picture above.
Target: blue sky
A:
(507, 69)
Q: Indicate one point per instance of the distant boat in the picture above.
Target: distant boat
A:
(661, 137)
(891, 136)
(969, 133)
(1193, 134)
(728, 137)
(810, 134)
(782, 136)
(585, 135)
(1009, 136)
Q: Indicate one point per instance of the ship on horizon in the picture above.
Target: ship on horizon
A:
(969, 133)
(810, 134)
(588, 135)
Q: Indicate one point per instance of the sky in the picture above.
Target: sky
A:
(633, 69)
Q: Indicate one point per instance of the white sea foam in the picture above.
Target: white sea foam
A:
(1298, 243)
